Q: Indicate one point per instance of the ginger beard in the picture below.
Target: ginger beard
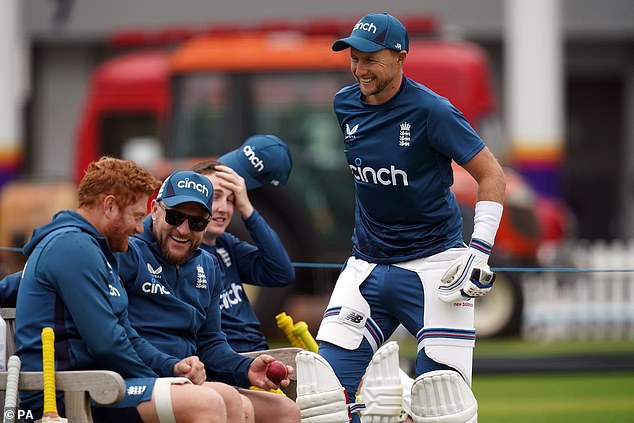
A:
(126, 222)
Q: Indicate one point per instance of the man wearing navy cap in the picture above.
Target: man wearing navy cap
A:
(409, 264)
(174, 289)
(261, 160)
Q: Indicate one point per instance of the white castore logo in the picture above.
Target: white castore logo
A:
(154, 286)
(351, 131)
(155, 272)
(405, 134)
(255, 161)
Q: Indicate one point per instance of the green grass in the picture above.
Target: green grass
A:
(546, 398)
(515, 347)
(558, 398)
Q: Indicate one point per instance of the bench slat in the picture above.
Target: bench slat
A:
(103, 386)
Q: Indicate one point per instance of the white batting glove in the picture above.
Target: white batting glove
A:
(469, 276)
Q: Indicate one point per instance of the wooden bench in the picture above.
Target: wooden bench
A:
(103, 386)
(79, 387)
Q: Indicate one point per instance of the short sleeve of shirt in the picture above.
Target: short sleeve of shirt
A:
(450, 133)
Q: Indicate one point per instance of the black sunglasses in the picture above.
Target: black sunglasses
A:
(176, 218)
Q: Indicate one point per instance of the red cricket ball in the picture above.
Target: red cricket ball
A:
(276, 371)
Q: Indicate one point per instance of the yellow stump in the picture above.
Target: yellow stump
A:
(285, 323)
(301, 331)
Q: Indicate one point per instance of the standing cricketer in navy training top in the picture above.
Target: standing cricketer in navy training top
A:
(174, 288)
(71, 283)
(261, 160)
(409, 264)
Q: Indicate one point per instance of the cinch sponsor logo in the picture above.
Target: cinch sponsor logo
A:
(364, 26)
(186, 183)
(255, 161)
(231, 296)
(154, 288)
(383, 176)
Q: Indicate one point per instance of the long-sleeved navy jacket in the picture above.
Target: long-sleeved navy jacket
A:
(175, 307)
(70, 283)
(264, 264)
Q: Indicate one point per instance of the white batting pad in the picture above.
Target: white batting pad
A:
(381, 390)
(442, 396)
(320, 396)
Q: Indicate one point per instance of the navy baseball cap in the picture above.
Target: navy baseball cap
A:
(375, 32)
(185, 186)
(261, 160)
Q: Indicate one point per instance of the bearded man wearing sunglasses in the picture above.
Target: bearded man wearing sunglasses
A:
(174, 289)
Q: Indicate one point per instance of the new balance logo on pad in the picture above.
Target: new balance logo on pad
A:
(352, 317)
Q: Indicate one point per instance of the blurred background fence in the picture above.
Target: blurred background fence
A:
(593, 299)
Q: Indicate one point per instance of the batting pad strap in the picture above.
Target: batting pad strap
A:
(486, 221)
(163, 397)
